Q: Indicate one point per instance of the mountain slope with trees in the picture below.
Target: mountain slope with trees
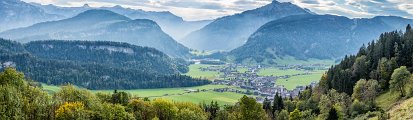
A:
(230, 32)
(102, 25)
(96, 65)
(313, 36)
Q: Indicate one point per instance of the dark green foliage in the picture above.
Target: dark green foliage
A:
(120, 98)
(313, 36)
(112, 54)
(93, 71)
(376, 61)
(332, 115)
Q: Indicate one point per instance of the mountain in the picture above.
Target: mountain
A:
(102, 25)
(314, 36)
(95, 64)
(15, 13)
(174, 25)
(230, 32)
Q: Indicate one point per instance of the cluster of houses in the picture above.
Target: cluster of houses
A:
(261, 86)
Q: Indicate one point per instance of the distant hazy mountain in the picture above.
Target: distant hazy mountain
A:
(15, 13)
(174, 25)
(101, 25)
(94, 64)
(314, 36)
(230, 32)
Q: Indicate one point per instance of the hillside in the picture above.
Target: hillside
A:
(402, 111)
(313, 36)
(95, 65)
(230, 32)
(101, 25)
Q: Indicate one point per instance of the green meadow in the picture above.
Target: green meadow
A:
(177, 94)
(196, 72)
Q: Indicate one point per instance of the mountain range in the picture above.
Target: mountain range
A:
(232, 31)
(314, 36)
(173, 25)
(102, 25)
(15, 13)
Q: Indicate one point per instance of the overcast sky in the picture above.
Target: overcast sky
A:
(211, 9)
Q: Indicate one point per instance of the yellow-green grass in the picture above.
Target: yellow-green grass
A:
(177, 94)
(273, 71)
(164, 91)
(242, 69)
(195, 71)
(301, 80)
(50, 88)
(402, 111)
(289, 60)
(223, 98)
(387, 100)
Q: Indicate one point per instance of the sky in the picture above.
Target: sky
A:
(210, 9)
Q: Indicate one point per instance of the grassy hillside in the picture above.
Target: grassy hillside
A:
(402, 111)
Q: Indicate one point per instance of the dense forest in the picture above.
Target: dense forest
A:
(98, 66)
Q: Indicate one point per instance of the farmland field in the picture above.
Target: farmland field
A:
(178, 94)
(301, 80)
(196, 72)
(278, 72)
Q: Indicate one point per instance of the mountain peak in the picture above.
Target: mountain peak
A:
(86, 5)
(275, 2)
(101, 14)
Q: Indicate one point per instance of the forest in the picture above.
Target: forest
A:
(62, 62)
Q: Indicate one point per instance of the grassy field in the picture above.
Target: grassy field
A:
(195, 71)
(177, 94)
(402, 111)
(278, 72)
(288, 60)
(387, 100)
(242, 69)
(301, 80)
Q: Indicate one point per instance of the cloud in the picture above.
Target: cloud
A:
(210, 9)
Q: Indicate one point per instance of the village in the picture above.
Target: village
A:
(252, 84)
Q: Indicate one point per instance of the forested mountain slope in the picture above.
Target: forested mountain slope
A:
(101, 25)
(313, 36)
(95, 65)
(230, 32)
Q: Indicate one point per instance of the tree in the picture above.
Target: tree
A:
(332, 114)
(120, 97)
(365, 90)
(112, 112)
(267, 107)
(399, 79)
(10, 76)
(283, 115)
(190, 111)
(278, 103)
(249, 109)
(142, 110)
(72, 111)
(295, 115)
(164, 109)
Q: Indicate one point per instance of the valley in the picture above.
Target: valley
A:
(206, 60)
(231, 81)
